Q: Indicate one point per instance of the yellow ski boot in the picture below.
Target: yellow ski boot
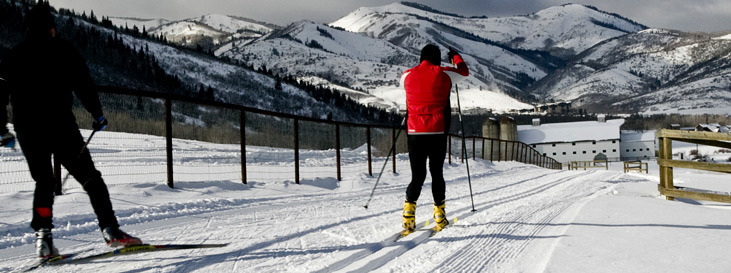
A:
(440, 217)
(409, 221)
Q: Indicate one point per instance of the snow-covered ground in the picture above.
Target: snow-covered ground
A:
(527, 219)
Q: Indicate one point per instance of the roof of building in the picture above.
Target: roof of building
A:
(570, 131)
(713, 127)
(637, 136)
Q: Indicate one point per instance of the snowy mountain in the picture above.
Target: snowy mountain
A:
(233, 24)
(563, 30)
(650, 71)
(207, 31)
(353, 61)
(601, 62)
(147, 24)
(191, 33)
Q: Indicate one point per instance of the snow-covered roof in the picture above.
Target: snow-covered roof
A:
(713, 127)
(570, 131)
(637, 136)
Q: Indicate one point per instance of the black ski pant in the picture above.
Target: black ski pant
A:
(64, 143)
(421, 148)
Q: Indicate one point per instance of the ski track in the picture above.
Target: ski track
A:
(511, 214)
(499, 241)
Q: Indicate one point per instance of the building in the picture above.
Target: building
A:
(637, 145)
(554, 108)
(712, 127)
(575, 141)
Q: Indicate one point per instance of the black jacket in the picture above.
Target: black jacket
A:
(41, 76)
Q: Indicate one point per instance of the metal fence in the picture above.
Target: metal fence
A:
(219, 141)
(498, 150)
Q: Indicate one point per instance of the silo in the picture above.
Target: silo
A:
(490, 130)
(508, 132)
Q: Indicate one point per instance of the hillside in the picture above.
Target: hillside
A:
(130, 59)
(598, 61)
(563, 30)
(654, 71)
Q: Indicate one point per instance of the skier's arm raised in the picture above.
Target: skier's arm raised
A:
(461, 71)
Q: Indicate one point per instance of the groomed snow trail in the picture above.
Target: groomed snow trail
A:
(522, 211)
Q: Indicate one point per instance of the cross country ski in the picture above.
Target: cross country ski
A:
(74, 258)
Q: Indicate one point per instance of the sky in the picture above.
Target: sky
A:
(696, 15)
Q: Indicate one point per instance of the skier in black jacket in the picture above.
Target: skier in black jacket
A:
(40, 76)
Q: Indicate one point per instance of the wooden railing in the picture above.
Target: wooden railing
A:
(667, 163)
(575, 165)
(635, 165)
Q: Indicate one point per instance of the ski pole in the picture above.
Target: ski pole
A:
(464, 148)
(385, 162)
(77, 157)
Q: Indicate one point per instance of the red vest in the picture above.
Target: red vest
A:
(427, 94)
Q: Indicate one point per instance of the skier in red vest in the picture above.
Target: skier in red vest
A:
(427, 88)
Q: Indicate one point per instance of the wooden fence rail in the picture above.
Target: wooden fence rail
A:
(635, 165)
(575, 165)
(667, 163)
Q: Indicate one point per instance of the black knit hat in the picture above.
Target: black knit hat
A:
(39, 19)
(432, 54)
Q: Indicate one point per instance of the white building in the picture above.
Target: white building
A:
(637, 145)
(575, 141)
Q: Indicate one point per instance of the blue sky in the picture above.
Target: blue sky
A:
(687, 15)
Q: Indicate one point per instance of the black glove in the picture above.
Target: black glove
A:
(100, 123)
(451, 54)
(8, 140)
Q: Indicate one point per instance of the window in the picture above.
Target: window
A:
(584, 152)
(604, 151)
(627, 150)
(553, 145)
(544, 154)
(593, 142)
(634, 150)
(574, 152)
(573, 143)
(564, 153)
(593, 152)
(554, 153)
(614, 150)
(614, 141)
(534, 145)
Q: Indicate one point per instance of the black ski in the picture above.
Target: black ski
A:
(136, 250)
(47, 261)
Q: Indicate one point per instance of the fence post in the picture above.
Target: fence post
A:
(521, 152)
(242, 133)
(499, 150)
(393, 141)
(667, 148)
(337, 150)
(462, 149)
(368, 139)
(296, 151)
(492, 150)
(57, 175)
(483, 148)
(474, 150)
(169, 139)
(449, 148)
